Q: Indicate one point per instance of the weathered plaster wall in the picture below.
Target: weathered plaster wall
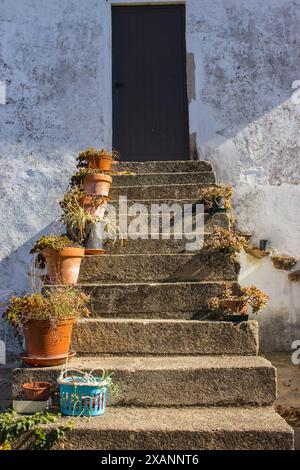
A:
(243, 57)
(246, 116)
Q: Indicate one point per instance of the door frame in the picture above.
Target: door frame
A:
(106, 84)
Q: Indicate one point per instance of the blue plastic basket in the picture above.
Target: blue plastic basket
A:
(78, 398)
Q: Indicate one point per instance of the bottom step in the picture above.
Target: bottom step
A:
(182, 429)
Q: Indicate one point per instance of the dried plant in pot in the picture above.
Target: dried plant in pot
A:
(46, 322)
(62, 256)
(225, 241)
(96, 159)
(217, 198)
(235, 306)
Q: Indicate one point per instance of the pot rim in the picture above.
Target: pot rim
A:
(103, 155)
(72, 252)
(37, 385)
(42, 322)
(98, 177)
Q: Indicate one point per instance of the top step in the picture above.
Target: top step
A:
(178, 166)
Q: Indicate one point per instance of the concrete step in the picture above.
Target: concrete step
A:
(146, 179)
(175, 166)
(175, 380)
(163, 337)
(158, 191)
(149, 246)
(220, 428)
(182, 300)
(203, 266)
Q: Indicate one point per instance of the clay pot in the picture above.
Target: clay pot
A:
(236, 306)
(87, 203)
(44, 340)
(63, 267)
(97, 183)
(37, 391)
(100, 162)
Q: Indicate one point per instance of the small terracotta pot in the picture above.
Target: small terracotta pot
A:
(69, 261)
(99, 211)
(44, 340)
(236, 306)
(37, 391)
(100, 162)
(97, 183)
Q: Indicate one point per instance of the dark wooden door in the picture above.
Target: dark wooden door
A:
(150, 108)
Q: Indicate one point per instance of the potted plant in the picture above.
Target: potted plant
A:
(46, 322)
(96, 159)
(37, 391)
(62, 256)
(235, 306)
(217, 198)
(225, 241)
(84, 218)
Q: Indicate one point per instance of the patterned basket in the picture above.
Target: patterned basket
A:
(81, 395)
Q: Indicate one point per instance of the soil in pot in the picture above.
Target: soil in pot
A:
(100, 162)
(42, 339)
(236, 307)
(97, 183)
(37, 391)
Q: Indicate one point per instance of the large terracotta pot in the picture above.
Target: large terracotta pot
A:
(69, 261)
(100, 162)
(63, 267)
(236, 306)
(97, 183)
(44, 340)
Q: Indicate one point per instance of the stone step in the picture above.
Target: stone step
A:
(175, 166)
(220, 428)
(162, 191)
(149, 246)
(174, 380)
(182, 300)
(147, 179)
(203, 266)
(163, 337)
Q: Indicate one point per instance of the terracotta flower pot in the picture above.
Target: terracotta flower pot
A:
(63, 267)
(42, 339)
(236, 306)
(69, 261)
(100, 162)
(37, 391)
(97, 183)
(99, 211)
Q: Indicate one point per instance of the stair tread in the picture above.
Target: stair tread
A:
(173, 362)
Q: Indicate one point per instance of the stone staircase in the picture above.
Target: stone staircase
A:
(184, 383)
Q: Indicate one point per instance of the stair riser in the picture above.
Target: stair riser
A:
(161, 167)
(151, 300)
(165, 338)
(204, 266)
(175, 191)
(163, 178)
(180, 387)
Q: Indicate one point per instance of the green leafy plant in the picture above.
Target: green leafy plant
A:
(248, 296)
(13, 427)
(57, 304)
(226, 241)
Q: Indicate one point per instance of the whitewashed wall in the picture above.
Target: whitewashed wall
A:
(243, 58)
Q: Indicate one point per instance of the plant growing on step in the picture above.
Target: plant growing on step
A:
(14, 427)
(226, 241)
(233, 303)
(217, 197)
(47, 321)
(62, 257)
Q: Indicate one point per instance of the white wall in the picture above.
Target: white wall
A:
(55, 59)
